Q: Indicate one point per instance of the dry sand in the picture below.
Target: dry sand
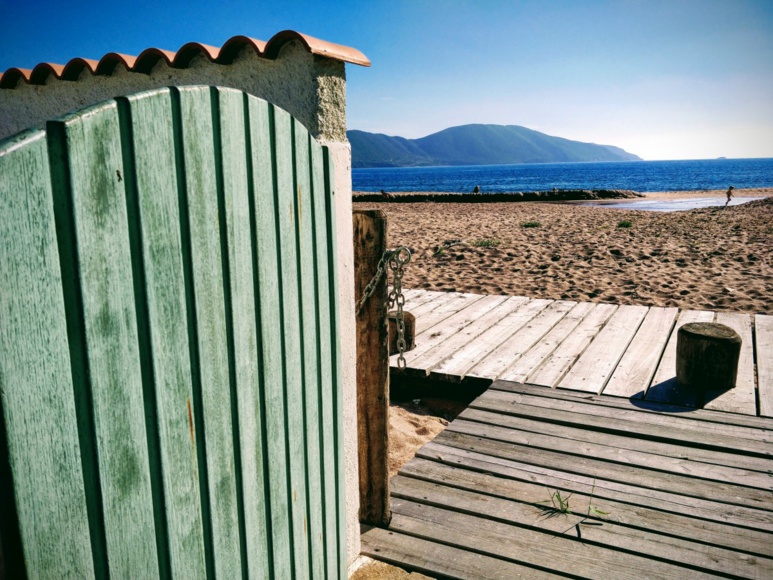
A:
(711, 259)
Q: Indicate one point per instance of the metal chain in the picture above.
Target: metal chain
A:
(394, 260)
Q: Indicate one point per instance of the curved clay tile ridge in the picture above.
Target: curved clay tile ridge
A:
(149, 57)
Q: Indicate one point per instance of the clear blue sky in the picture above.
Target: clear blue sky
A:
(665, 79)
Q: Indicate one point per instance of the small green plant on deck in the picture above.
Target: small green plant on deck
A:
(487, 243)
(441, 251)
(531, 224)
(560, 505)
(624, 224)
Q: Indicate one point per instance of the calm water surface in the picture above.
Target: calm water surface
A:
(635, 175)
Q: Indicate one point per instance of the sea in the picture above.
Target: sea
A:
(641, 176)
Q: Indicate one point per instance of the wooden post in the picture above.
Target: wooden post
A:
(370, 239)
(707, 356)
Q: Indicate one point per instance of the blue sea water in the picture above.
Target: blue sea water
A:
(634, 175)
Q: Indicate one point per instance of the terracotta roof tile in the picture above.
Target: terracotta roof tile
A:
(182, 58)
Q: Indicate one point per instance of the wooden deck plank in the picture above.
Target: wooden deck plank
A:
(596, 364)
(459, 341)
(416, 298)
(764, 343)
(651, 425)
(502, 358)
(450, 327)
(557, 477)
(441, 560)
(730, 493)
(450, 307)
(540, 352)
(742, 398)
(756, 427)
(639, 363)
(582, 523)
(436, 300)
(633, 457)
(663, 387)
(619, 512)
(461, 361)
(556, 366)
(526, 546)
(659, 448)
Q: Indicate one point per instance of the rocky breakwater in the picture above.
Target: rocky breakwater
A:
(447, 197)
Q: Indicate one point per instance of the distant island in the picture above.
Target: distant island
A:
(476, 145)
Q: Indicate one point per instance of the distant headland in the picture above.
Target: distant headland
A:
(476, 145)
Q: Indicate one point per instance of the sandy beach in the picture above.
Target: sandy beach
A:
(712, 259)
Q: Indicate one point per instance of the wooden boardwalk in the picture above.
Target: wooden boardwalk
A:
(625, 351)
(651, 491)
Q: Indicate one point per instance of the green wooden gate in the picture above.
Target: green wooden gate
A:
(169, 381)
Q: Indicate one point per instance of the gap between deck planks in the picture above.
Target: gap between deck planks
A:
(626, 351)
(655, 493)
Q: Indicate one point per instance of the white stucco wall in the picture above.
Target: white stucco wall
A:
(313, 90)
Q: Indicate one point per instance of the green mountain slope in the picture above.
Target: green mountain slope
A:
(476, 145)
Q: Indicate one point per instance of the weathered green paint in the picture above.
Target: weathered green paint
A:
(168, 376)
(113, 381)
(310, 356)
(158, 220)
(38, 410)
(236, 198)
(198, 134)
(291, 339)
(269, 323)
(335, 358)
(326, 428)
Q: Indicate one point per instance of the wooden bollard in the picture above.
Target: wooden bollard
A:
(707, 356)
(410, 331)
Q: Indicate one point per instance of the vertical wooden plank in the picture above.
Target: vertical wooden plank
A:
(764, 343)
(564, 356)
(237, 166)
(269, 324)
(594, 367)
(156, 218)
(664, 388)
(460, 363)
(326, 427)
(289, 284)
(39, 430)
(637, 367)
(503, 359)
(216, 456)
(335, 312)
(310, 354)
(93, 144)
(742, 398)
(370, 242)
(540, 352)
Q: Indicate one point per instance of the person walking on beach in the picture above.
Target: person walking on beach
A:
(729, 194)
